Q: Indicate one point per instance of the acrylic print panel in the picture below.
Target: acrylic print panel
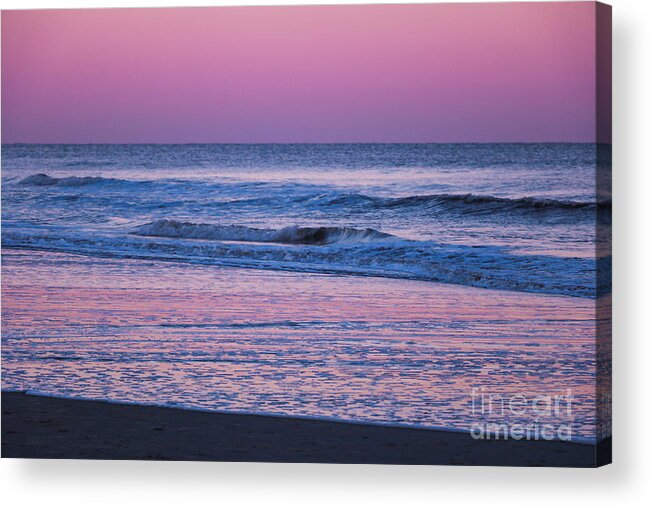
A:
(380, 236)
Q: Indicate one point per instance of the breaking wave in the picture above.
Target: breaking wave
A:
(43, 180)
(485, 266)
(288, 235)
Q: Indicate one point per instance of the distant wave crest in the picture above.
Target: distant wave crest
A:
(464, 202)
(455, 204)
(288, 235)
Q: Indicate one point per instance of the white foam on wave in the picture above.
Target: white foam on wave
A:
(486, 267)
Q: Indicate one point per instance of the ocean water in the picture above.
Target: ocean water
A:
(517, 217)
(377, 283)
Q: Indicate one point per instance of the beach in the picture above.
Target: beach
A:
(337, 366)
(360, 349)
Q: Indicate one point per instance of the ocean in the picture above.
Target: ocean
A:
(362, 282)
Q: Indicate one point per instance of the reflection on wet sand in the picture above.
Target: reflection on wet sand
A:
(350, 348)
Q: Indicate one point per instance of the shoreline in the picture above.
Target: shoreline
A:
(35, 426)
(226, 263)
(189, 408)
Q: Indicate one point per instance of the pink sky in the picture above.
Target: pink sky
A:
(401, 73)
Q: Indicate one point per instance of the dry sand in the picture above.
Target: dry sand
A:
(44, 427)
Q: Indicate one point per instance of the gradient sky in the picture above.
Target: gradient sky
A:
(373, 73)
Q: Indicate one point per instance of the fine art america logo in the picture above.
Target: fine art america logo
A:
(519, 416)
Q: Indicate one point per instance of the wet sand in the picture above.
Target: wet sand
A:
(292, 344)
(45, 427)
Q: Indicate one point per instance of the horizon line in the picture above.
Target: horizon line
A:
(181, 143)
